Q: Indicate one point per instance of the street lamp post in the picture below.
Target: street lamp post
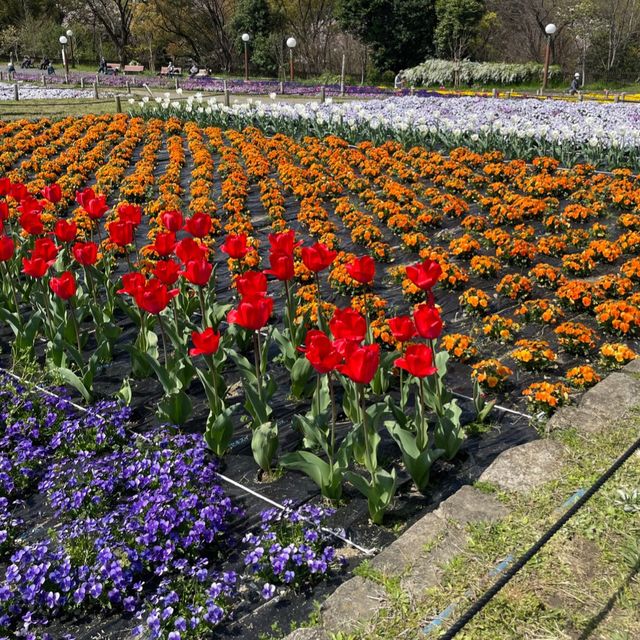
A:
(73, 55)
(65, 62)
(550, 29)
(291, 43)
(245, 39)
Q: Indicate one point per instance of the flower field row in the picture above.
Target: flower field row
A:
(141, 527)
(527, 275)
(602, 134)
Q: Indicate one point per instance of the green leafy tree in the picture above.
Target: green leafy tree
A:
(400, 32)
(458, 24)
(264, 25)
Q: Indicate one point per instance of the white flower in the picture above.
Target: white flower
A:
(179, 91)
(272, 95)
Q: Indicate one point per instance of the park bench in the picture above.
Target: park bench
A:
(114, 66)
(133, 68)
(164, 71)
(202, 73)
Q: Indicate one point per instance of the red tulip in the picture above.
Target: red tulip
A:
(348, 324)
(46, 249)
(29, 204)
(361, 363)
(18, 191)
(172, 220)
(251, 283)
(235, 246)
(402, 328)
(7, 248)
(132, 283)
(198, 271)
(283, 242)
(154, 297)
(4, 211)
(428, 321)
(320, 351)
(188, 249)
(31, 222)
(282, 266)
(362, 269)
(53, 193)
(206, 343)
(317, 257)
(63, 286)
(85, 196)
(5, 186)
(120, 233)
(252, 312)
(425, 274)
(417, 360)
(85, 253)
(130, 213)
(198, 225)
(167, 271)
(65, 231)
(164, 243)
(35, 267)
(97, 207)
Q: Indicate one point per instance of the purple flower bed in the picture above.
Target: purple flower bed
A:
(253, 87)
(138, 526)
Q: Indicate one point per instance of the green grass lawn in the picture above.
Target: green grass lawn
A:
(584, 584)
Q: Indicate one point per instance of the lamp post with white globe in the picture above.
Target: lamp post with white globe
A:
(73, 57)
(550, 29)
(65, 62)
(291, 43)
(245, 39)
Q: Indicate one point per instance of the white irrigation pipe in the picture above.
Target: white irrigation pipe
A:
(496, 406)
(335, 534)
(273, 503)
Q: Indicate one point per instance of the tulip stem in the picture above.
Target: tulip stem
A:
(202, 307)
(423, 427)
(47, 309)
(7, 278)
(174, 307)
(401, 390)
(256, 349)
(365, 431)
(287, 291)
(164, 339)
(332, 395)
(369, 339)
(76, 327)
(317, 394)
(319, 312)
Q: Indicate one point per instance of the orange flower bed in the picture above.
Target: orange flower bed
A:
(522, 246)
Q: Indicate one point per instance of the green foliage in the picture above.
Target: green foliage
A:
(264, 24)
(400, 32)
(458, 22)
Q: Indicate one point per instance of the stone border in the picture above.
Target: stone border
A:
(415, 559)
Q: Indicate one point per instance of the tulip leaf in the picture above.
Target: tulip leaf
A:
(301, 378)
(219, 430)
(264, 444)
(327, 477)
(418, 463)
(175, 408)
(71, 378)
(449, 434)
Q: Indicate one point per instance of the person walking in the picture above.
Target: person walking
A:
(11, 70)
(575, 84)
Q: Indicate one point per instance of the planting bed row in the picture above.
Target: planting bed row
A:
(537, 288)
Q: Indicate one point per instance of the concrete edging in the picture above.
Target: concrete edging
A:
(417, 556)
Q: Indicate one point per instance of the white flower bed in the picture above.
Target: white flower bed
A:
(31, 92)
(605, 134)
